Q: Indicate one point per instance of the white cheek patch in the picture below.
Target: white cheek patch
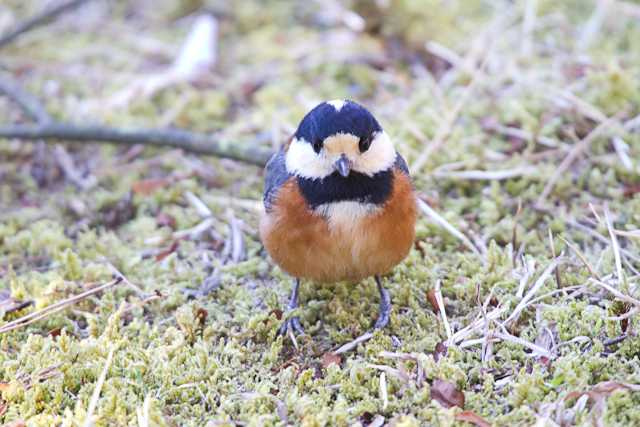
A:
(302, 161)
(337, 104)
(379, 157)
(346, 213)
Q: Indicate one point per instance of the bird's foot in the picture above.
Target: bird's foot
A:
(291, 324)
(385, 307)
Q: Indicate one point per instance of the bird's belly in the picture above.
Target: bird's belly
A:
(340, 241)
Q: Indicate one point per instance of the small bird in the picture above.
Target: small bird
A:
(339, 203)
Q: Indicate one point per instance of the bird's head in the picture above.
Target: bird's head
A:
(339, 137)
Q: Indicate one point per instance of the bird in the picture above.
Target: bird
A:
(339, 204)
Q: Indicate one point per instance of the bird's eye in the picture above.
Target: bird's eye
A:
(317, 145)
(365, 143)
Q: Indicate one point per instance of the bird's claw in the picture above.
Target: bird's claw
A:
(293, 324)
(382, 320)
(385, 307)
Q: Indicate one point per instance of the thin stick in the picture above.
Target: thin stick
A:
(446, 126)
(96, 391)
(29, 104)
(536, 286)
(582, 258)
(480, 175)
(592, 28)
(616, 249)
(353, 344)
(383, 391)
(202, 209)
(39, 19)
(576, 150)
(54, 308)
(536, 348)
(438, 219)
(600, 237)
(475, 326)
(443, 313)
(616, 292)
(188, 141)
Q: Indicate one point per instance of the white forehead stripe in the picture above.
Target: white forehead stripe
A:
(337, 103)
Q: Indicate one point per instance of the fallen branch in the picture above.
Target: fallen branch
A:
(39, 19)
(178, 138)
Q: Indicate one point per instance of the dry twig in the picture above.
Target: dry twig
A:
(39, 19)
(54, 308)
(178, 138)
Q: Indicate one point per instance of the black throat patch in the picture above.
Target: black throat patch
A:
(356, 187)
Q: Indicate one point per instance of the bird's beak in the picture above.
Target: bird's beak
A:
(343, 165)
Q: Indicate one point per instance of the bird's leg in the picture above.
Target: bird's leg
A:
(292, 322)
(385, 305)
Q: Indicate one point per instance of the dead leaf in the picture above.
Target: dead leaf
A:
(54, 333)
(473, 418)
(330, 358)
(201, 316)
(431, 296)
(447, 394)
(168, 251)
(16, 423)
(441, 351)
(603, 389)
(148, 186)
(3, 408)
(3, 386)
(166, 220)
(113, 215)
(631, 189)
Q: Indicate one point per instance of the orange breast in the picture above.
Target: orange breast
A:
(306, 245)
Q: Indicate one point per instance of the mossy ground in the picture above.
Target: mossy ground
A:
(502, 86)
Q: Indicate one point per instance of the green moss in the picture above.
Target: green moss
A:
(216, 360)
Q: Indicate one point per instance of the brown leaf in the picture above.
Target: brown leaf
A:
(114, 214)
(602, 390)
(441, 351)
(166, 220)
(431, 296)
(148, 186)
(473, 418)
(330, 358)
(55, 332)
(3, 386)
(201, 316)
(168, 251)
(608, 387)
(447, 394)
(16, 423)
(631, 189)
(3, 408)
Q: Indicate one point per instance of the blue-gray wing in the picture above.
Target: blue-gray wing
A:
(275, 176)
(401, 164)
